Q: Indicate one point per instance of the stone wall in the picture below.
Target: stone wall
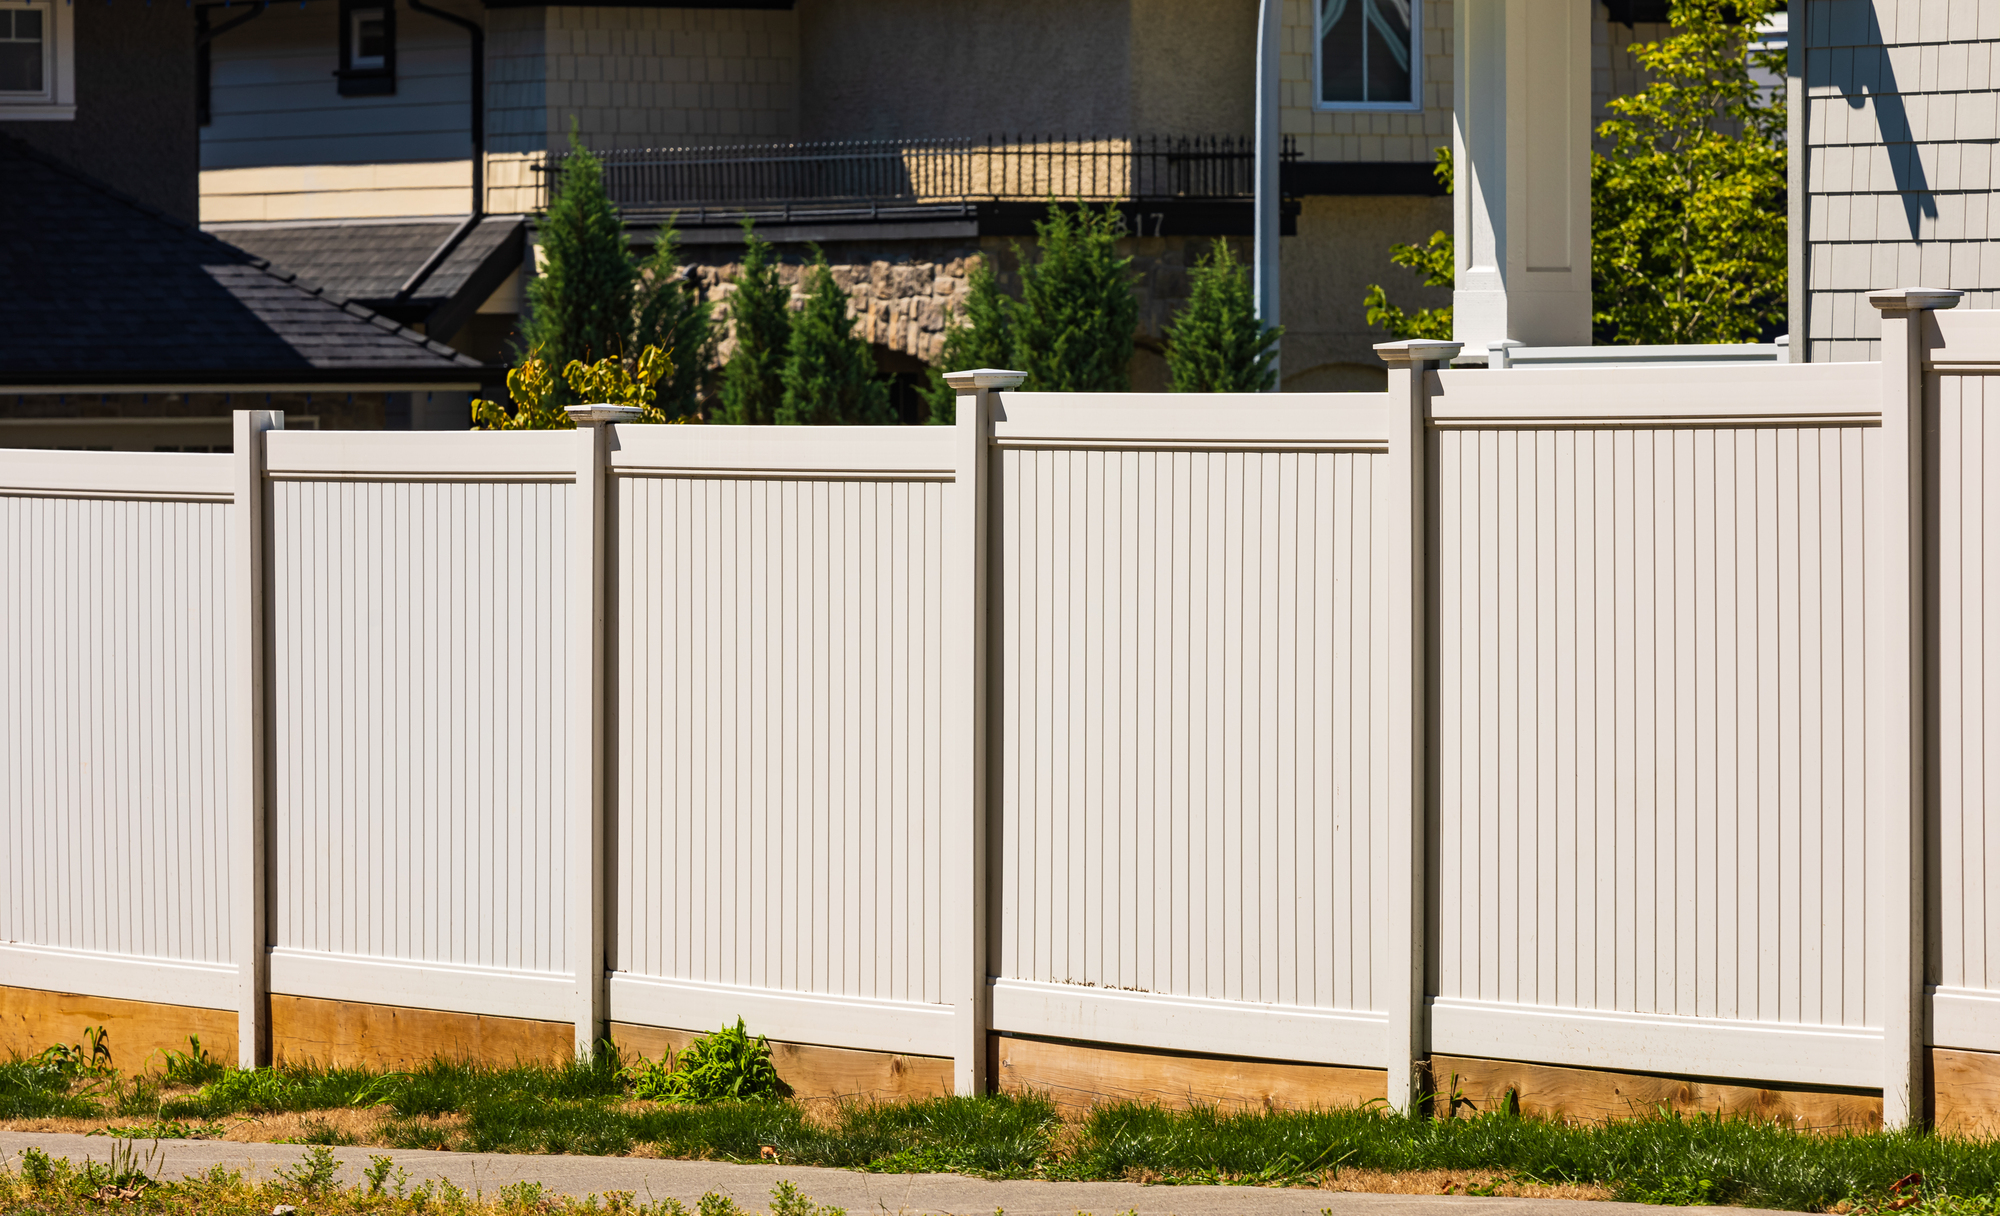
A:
(905, 295)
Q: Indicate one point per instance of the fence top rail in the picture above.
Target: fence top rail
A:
(160, 476)
(1962, 339)
(1303, 421)
(1750, 394)
(422, 456)
(835, 453)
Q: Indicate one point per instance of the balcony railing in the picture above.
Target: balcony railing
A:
(928, 172)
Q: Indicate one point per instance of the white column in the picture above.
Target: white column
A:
(1896, 695)
(1270, 142)
(1521, 197)
(1402, 969)
(589, 686)
(248, 674)
(964, 723)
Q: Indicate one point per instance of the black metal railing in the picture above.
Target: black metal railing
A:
(904, 172)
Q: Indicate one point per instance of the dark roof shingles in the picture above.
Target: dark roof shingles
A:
(96, 285)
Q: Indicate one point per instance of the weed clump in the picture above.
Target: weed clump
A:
(729, 1065)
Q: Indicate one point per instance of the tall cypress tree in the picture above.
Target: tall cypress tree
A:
(1074, 326)
(580, 305)
(986, 339)
(830, 376)
(1216, 344)
(753, 380)
(672, 315)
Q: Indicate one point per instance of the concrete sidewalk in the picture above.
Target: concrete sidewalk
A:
(750, 1185)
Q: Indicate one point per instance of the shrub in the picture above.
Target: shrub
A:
(760, 310)
(829, 373)
(1216, 344)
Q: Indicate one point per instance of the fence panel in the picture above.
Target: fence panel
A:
(418, 674)
(777, 653)
(113, 743)
(1648, 719)
(1963, 391)
(1189, 742)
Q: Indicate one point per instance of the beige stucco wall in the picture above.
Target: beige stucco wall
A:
(899, 68)
(1342, 247)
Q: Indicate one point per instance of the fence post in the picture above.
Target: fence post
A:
(964, 722)
(248, 718)
(588, 687)
(1403, 968)
(1896, 695)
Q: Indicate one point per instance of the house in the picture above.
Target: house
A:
(126, 327)
(904, 137)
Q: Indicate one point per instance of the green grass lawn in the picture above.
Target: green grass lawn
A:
(586, 1107)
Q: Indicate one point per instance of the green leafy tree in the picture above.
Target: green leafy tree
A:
(1433, 260)
(1074, 326)
(1688, 210)
(753, 384)
(984, 339)
(670, 314)
(580, 305)
(829, 375)
(1216, 344)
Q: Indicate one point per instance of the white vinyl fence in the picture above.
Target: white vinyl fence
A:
(1627, 717)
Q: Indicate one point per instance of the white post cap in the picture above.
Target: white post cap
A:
(1418, 350)
(598, 415)
(1911, 299)
(984, 377)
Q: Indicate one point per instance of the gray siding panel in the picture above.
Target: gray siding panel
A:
(1902, 117)
(275, 101)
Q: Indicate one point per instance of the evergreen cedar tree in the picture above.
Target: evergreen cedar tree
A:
(986, 339)
(1074, 325)
(580, 305)
(1216, 344)
(753, 385)
(592, 302)
(1688, 226)
(671, 314)
(829, 377)
(1072, 329)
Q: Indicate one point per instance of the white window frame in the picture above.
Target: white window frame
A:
(57, 100)
(1415, 104)
(374, 63)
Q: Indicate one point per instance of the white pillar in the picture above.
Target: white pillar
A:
(1270, 142)
(1521, 198)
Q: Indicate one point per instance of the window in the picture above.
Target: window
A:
(367, 48)
(1369, 54)
(35, 61)
(24, 52)
(368, 38)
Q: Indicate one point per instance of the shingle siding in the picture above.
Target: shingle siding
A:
(1901, 117)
